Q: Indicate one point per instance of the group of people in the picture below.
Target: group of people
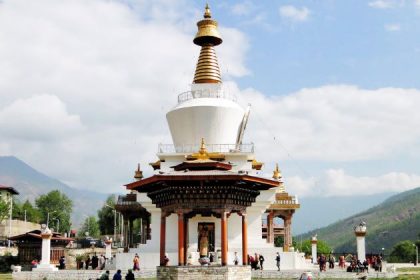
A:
(355, 265)
(95, 262)
(256, 261)
(375, 262)
(117, 275)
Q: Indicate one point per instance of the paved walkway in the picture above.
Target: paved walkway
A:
(335, 273)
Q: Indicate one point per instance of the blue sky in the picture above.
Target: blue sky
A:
(349, 42)
(334, 87)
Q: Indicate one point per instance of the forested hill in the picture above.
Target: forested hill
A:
(396, 219)
(30, 184)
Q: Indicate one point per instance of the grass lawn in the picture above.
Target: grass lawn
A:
(5, 276)
(408, 273)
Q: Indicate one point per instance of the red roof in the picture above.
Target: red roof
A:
(37, 234)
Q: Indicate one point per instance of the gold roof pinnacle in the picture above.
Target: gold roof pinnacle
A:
(138, 174)
(207, 69)
(277, 173)
(207, 13)
(277, 176)
(203, 149)
(203, 154)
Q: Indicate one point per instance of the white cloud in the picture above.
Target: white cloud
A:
(91, 82)
(387, 4)
(335, 182)
(243, 8)
(294, 14)
(392, 27)
(335, 123)
(381, 4)
(38, 118)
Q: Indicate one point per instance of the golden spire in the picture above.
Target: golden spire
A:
(138, 174)
(207, 70)
(207, 13)
(277, 173)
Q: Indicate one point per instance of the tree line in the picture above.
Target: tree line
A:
(55, 209)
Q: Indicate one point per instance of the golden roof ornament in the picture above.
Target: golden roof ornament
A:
(207, 13)
(203, 154)
(138, 174)
(207, 69)
(277, 173)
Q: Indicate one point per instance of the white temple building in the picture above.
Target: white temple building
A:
(207, 127)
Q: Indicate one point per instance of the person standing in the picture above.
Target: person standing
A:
(103, 262)
(331, 261)
(136, 262)
(278, 261)
(87, 263)
(236, 259)
(105, 276)
(130, 275)
(62, 263)
(261, 261)
(117, 275)
(94, 262)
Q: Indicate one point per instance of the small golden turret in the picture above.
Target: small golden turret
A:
(207, 70)
(277, 173)
(277, 176)
(138, 174)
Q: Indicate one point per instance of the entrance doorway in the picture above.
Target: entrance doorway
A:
(205, 238)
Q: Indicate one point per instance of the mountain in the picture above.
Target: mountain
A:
(30, 184)
(395, 219)
(331, 209)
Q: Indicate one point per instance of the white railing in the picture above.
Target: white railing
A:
(205, 93)
(290, 201)
(211, 148)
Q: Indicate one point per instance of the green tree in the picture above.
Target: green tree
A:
(91, 226)
(106, 216)
(56, 205)
(403, 251)
(32, 213)
(4, 209)
(322, 247)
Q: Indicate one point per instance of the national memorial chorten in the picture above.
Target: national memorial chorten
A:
(207, 196)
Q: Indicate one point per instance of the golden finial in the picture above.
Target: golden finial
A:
(207, 69)
(207, 13)
(277, 173)
(203, 149)
(138, 174)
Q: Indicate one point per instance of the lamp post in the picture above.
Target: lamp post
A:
(58, 224)
(115, 220)
(10, 220)
(88, 224)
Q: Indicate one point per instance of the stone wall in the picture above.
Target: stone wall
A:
(204, 272)
(76, 274)
(18, 227)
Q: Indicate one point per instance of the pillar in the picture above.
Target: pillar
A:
(186, 237)
(287, 234)
(45, 265)
(126, 235)
(108, 248)
(244, 240)
(314, 243)
(223, 235)
(181, 239)
(360, 232)
(162, 238)
(270, 227)
(130, 234)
